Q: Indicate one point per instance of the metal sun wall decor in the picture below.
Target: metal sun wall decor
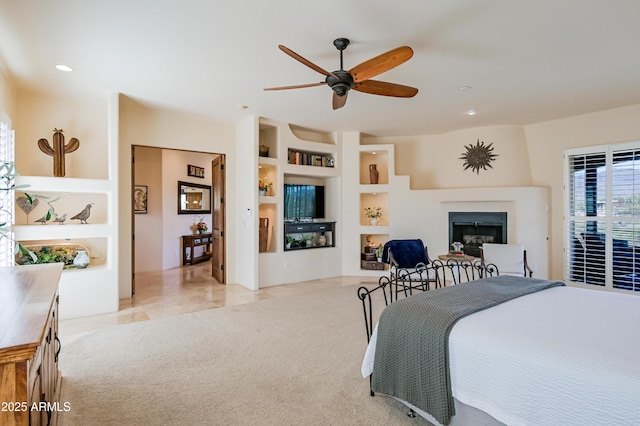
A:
(478, 156)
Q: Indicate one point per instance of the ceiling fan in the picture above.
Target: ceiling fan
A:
(358, 77)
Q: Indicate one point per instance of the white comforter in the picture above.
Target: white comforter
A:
(562, 356)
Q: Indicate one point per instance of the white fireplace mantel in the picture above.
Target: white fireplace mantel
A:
(425, 214)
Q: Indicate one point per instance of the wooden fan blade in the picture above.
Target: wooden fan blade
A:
(339, 101)
(383, 88)
(381, 63)
(307, 62)
(297, 86)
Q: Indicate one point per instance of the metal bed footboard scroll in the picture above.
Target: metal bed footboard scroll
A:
(364, 294)
(404, 281)
(389, 289)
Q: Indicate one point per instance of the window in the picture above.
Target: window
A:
(6, 197)
(602, 216)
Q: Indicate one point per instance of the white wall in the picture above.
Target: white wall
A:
(433, 161)
(174, 225)
(148, 227)
(7, 95)
(84, 119)
(246, 207)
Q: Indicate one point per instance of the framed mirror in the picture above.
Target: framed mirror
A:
(193, 198)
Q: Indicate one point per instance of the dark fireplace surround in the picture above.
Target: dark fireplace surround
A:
(472, 229)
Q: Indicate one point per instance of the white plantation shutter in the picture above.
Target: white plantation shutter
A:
(6, 197)
(602, 216)
(585, 222)
(625, 218)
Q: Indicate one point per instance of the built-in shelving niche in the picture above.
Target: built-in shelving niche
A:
(268, 225)
(63, 203)
(96, 248)
(373, 200)
(381, 161)
(372, 241)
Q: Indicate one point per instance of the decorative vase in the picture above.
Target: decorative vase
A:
(263, 151)
(81, 260)
(263, 234)
(322, 240)
(374, 221)
(379, 259)
(262, 193)
(373, 173)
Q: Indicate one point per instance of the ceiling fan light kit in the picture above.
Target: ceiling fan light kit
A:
(359, 77)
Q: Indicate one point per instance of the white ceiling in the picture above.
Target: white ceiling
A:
(527, 61)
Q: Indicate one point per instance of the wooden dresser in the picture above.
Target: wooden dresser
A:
(29, 345)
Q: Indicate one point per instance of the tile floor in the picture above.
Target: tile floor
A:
(188, 289)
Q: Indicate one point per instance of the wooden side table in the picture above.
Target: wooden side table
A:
(447, 257)
(190, 242)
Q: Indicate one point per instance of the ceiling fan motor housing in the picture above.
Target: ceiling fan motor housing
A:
(340, 81)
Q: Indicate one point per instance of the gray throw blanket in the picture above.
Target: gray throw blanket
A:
(412, 351)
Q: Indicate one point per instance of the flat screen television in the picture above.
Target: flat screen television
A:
(303, 201)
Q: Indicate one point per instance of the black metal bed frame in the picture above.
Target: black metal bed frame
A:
(403, 281)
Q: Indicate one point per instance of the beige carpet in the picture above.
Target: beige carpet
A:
(290, 361)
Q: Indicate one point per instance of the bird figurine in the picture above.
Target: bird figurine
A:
(84, 214)
(61, 219)
(42, 220)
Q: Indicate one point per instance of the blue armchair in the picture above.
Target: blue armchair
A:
(409, 261)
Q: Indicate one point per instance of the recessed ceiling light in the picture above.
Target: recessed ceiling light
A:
(65, 68)
(464, 88)
(472, 111)
(374, 153)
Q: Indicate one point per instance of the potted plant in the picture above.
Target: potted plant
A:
(264, 185)
(201, 226)
(8, 175)
(373, 213)
(305, 240)
(379, 252)
(289, 241)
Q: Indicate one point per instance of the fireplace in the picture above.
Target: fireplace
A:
(472, 229)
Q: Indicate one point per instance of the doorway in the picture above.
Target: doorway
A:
(157, 232)
(218, 219)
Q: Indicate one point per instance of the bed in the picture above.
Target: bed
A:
(560, 355)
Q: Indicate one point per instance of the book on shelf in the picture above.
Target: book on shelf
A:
(309, 159)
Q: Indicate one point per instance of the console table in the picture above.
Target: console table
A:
(29, 344)
(313, 231)
(190, 242)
